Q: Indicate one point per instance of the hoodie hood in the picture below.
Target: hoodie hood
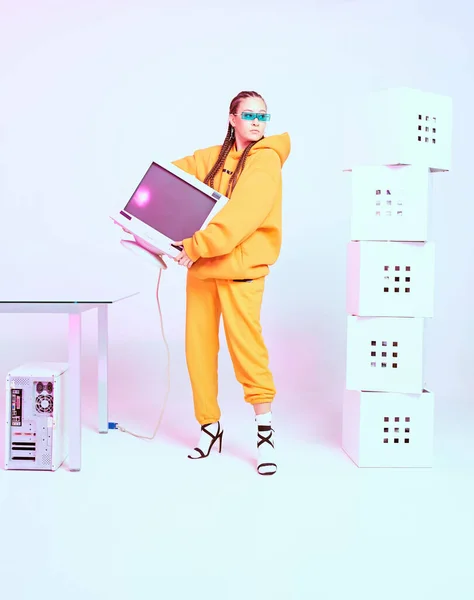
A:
(281, 144)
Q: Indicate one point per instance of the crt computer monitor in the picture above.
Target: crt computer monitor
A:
(168, 205)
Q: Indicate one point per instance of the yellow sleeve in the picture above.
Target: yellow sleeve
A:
(188, 164)
(252, 200)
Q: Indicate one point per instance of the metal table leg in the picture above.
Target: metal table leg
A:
(103, 340)
(73, 399)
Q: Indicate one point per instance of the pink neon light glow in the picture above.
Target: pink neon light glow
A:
(142, 196)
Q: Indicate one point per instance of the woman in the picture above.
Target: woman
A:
(228, 262)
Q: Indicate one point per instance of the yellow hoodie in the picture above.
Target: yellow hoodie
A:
(244, 238)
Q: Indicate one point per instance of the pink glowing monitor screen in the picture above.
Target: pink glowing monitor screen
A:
(169, 204)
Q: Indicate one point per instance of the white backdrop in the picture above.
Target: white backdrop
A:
(91, 92)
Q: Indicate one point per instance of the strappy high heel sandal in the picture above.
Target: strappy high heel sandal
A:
(203, 441)
(265, 453)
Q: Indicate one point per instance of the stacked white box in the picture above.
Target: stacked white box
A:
(410, 127)
(388, 410)
(397, 429)
(385, 354)
(390, 203)
(390, 279)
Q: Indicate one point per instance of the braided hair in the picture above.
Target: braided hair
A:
(227, 147)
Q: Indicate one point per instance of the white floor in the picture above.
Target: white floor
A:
(142, 521)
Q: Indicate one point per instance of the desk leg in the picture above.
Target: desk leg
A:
(74, 396)
(102, 319)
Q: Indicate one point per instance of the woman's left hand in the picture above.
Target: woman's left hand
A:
(182, 258)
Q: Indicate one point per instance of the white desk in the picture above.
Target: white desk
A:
(47, 297)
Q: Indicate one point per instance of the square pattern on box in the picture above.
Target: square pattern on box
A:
(387, 429)
(390, 203)
(408, 126)
(390, 279)
(385, 354)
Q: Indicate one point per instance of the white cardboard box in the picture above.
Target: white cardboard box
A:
(390, 279)
(387, 429)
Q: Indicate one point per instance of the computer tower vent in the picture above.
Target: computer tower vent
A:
(46, 460)
(20, 382)
(44, 404)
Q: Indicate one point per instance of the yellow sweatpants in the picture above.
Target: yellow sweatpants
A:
(239, 304)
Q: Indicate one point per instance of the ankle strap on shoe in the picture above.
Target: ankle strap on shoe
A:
(203, 428)
(265, 438)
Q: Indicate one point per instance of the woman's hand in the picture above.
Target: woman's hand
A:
(182, 258)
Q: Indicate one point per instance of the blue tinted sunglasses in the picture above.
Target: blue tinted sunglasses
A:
(249, 116)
